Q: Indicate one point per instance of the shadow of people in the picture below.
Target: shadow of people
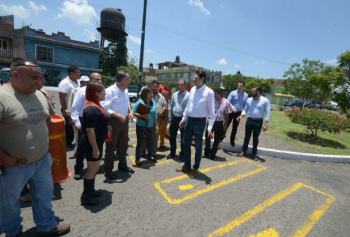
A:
(105, 201)
(203, 177)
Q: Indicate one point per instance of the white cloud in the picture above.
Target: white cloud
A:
(78, 11)
(260, 63)
(36, 8)
(148, 51)
(237, 66)
(199, 4)
(332, 61)
(18, 11)
(221, 62)
(91, 35)
(135, 39)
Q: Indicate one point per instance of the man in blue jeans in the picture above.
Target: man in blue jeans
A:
(178, 105)
(199, 107)
(24, 157)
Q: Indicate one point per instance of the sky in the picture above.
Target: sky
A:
(258, 37)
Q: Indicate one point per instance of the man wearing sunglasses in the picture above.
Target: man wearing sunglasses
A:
(24, 157)
(65, 89)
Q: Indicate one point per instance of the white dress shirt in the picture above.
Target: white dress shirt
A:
(116, 101)
(200, 105)
(78, 106)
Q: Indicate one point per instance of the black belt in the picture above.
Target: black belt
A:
(255, 119)
(177, 117)
(192, 118)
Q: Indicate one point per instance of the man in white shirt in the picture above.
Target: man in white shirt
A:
(256, 106)
(199, 107)
(65, 88)
(76, 114)
(117, 105)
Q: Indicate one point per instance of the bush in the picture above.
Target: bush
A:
(108, 80)
(328, 106)
(316, 120)
(280, 108)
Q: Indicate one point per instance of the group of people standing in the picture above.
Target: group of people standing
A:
(98, 116)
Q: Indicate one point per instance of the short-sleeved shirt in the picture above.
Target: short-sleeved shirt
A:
(23, 130)
(94, 118)
(222, 107)
(66, 86)
(152, 115)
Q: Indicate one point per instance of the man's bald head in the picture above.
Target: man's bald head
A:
(95, 77)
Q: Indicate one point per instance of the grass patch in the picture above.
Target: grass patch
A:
(324, 143)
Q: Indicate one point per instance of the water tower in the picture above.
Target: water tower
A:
(112, 25)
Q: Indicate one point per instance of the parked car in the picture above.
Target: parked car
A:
(314, 105)
(333, 104)
(293, 103)
(132, 97)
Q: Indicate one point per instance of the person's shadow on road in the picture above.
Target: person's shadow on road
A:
(105, 201)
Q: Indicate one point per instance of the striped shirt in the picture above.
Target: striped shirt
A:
(222, 107)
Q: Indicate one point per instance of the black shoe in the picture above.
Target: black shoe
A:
(78, 176)
(88, 200)
(70, 145)
(212, 157)
(170, 156)
(96, 194)
(205, 155)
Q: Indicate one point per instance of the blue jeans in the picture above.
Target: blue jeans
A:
(193, 128)
(39, 177)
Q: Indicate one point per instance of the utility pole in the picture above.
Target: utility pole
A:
(142, 46)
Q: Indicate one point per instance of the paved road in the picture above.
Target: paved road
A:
(233, 196)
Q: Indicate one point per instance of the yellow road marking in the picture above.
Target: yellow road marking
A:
(314, 217)
(267, 233)
(132, 132)
(131, 129)
(209, 188)
(132, 158)
(134, 145)
(186, 187)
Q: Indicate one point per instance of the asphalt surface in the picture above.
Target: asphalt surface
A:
(232, 196)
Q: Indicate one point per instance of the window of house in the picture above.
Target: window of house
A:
(171, 76)
(178, 75)
(3, 44)
(44, 53)
(186, 75)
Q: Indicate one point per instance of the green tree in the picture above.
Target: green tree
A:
(113, 56)
(132, 70)
(265, 84)
(344, 62)
(341, 92)
(298, 81)
(230, 81)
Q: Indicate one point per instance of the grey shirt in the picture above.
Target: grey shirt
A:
(178, 104)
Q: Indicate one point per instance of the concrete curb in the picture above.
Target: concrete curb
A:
(289, 155)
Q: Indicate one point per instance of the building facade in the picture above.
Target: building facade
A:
(6, 39)
(55, 52)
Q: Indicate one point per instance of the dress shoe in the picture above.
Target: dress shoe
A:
(58, 230)
(255, 157)
(241, 154)
(96, 194)
(184, 169)
(170, 156)
(212, 157)
(194, 173)
(88, 200)
(70, 146)
(205, 155)
(78, 176)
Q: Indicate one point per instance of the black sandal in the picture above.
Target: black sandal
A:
(127, 169)
(110, 175)
(152, 158)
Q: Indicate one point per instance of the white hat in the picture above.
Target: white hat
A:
(84, 78)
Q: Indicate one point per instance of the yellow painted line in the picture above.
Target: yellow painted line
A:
(186, 187)
(157, 185)
(132, 132)
(56, 136)
(134, 145)
(134, 139)
(131, 129)
(267, 233)
(314, 217)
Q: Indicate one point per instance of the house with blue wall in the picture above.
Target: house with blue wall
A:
(56, 52)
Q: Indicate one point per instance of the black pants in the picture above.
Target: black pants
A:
(69, 130)
(252, 126)
(218, 131)
(141, 139)
(235, 123)
(174, 127)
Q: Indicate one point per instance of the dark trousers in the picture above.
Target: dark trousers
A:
(120, 132)
(79, 160)
(174, 127)
(252, 126)
(69, 130)
(233, 118)
(147, 140)
(218, 131)
(193, 128)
